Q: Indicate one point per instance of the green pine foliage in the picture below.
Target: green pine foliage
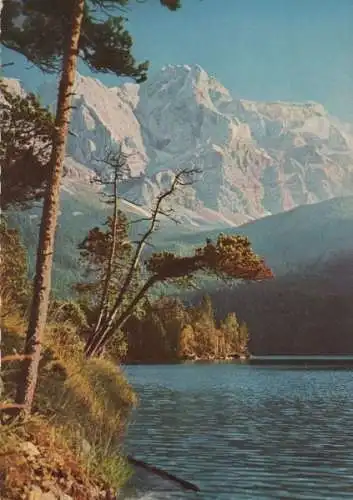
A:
(37, 29)
(25, 147)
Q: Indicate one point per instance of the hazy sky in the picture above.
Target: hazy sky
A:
(259, 49)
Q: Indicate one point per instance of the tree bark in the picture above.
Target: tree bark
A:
(42, 281)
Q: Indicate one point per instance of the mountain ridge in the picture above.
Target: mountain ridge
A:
(257, 158)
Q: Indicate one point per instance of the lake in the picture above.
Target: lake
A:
(244, 431)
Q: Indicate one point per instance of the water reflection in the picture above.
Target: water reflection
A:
(246, 432)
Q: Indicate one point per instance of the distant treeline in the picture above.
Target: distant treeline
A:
(170, 331)
(306, 313)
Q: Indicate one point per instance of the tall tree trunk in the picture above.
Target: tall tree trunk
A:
(103, 307)
(42, 281)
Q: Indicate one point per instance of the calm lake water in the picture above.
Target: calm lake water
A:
(244, 431)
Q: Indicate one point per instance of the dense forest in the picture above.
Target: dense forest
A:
(160, 330)
(171, 331)
(299, 313)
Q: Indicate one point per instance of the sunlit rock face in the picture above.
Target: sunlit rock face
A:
(256, 158)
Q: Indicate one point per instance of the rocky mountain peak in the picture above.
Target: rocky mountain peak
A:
(256, 158)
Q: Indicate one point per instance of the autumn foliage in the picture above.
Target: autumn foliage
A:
(229, 257)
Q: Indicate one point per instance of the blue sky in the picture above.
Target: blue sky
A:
(293, 50)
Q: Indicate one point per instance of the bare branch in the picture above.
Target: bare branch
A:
(5, 65)
(168, 214)
(15, 357)
(142, 219)
(11, 406)
(148, 243)
(186, 485)
(102, 338)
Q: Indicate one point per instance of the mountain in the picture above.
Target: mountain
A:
(256, 158)
(290, 241)
(306, 309)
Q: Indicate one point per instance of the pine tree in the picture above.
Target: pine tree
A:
(230, 257)
(53, 34)
(244, 338)
(118, 168)
(98, 261)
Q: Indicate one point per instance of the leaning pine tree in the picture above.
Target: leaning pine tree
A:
(52, 34)
(230, 257)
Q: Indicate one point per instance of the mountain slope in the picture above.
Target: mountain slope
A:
(293, 239)
(289, 242)
(256, 159)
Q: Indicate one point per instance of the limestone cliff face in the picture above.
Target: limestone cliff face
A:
(256, 158)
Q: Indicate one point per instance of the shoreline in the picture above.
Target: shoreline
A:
(254, 359)
(239, 359)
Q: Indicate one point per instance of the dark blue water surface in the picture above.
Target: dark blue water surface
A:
(244, 432)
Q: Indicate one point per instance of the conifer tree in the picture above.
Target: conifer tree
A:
(26, 140)
(53, 34)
